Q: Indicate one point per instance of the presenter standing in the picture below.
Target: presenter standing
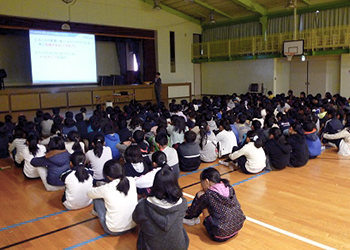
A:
(158, 88)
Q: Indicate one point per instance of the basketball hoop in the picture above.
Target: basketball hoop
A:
(289, 55)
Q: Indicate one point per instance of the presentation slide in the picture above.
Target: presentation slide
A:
(62, 57)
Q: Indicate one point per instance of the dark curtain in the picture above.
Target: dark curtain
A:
(121, 51)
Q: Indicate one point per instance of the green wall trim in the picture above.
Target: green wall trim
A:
(267, 56)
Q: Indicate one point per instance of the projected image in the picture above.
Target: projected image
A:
(62, 57)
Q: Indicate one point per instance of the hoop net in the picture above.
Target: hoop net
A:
(289, 55)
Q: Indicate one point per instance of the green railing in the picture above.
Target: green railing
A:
(315, 39)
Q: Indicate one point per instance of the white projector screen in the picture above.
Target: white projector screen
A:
(62, 57)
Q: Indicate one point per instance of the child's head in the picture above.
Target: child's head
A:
(133, 154)
(77, 158)
(113, 170)
(98, 142)
(56, 143)
(166, 186)
(252, 136)
(162, 139)
(190, 136)
(159, 159)
(211, 176)
(32, 142)
(138, 136)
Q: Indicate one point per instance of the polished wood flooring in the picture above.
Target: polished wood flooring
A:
(296, 208)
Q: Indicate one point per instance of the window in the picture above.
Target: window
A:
(172, 52)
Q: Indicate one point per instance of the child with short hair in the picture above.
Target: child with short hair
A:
(78, 182)
(223, 217)
(189, 153)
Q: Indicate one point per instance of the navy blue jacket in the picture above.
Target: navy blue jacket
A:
(57, 162)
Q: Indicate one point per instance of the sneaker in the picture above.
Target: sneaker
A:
(192, 222)
(94, 213)
(225, 163)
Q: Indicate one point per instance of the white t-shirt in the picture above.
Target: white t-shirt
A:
(28, 169)
(171, 156)
(256, 158)
(98, 163)
(76, 192)
(118, 205)
(69, 146)
(226, 140)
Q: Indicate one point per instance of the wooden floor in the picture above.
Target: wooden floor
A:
(296, 208)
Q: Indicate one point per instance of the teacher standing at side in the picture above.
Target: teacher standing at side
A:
(158, 88)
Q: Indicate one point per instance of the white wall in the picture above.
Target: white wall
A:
(123, 13)
(236, 76)
(345, 75)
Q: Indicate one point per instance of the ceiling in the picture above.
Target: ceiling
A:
(226, 11)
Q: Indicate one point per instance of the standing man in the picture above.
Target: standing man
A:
(158, 88)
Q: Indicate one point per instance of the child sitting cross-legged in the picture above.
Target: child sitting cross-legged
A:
(78, 181)
(160, 214)
(223, 217)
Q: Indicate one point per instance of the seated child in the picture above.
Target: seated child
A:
(78, 182)
(189, 153)
(115, 201)
(223, 217)
(159, 215)
(171, 154)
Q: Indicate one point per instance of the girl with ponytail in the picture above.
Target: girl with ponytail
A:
(277, 150)
(251, 157)
(159, 160)
(223, 217)
(78, 181)
(74, 142)
(207, 142)
(115, 201)
(98, 156)
(33, 149)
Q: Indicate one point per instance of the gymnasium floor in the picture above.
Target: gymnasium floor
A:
(303, 208)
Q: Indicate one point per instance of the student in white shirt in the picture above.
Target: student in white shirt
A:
(98, 156)
(74, 142)
(226, 139)
(78, 182)
(33, 149)
(251, 157)
(115, 201)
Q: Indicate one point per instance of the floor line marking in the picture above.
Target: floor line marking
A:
(86, 242)
(199, 170)
(295, 236)
(45, 234)
(30, 221)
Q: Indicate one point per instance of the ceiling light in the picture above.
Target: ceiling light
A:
(156, 5)
(211, 17)
(291, 4)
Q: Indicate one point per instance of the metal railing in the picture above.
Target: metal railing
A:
(337, 37)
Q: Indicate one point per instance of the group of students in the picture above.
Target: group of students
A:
(127, 161)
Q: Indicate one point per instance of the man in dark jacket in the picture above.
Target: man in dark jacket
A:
(158, 88)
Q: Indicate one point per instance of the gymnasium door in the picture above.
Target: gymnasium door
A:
(197, 89)
(323, 74)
